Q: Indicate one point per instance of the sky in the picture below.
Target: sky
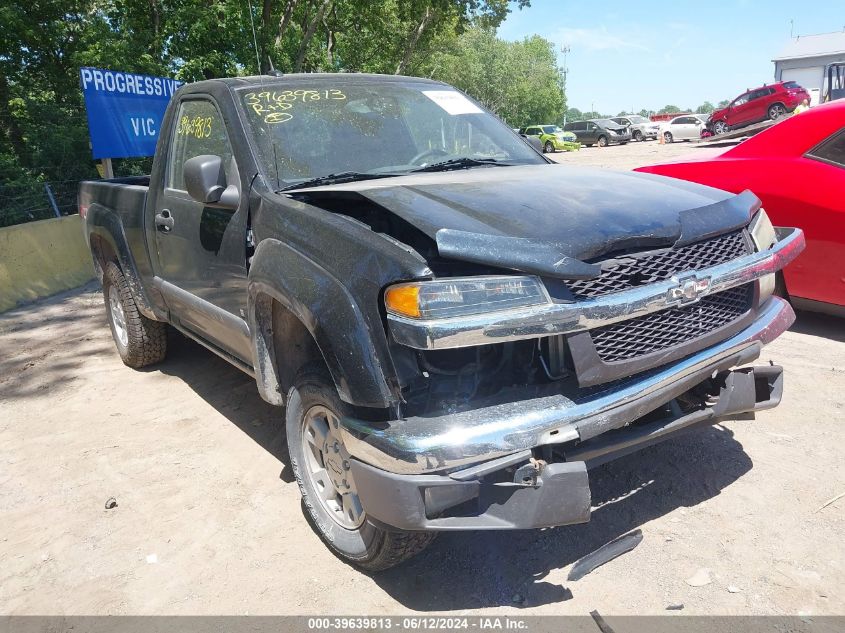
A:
(648, 54)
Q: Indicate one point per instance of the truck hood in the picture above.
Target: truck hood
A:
(550, 219)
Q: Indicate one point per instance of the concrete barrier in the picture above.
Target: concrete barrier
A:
(41, 258)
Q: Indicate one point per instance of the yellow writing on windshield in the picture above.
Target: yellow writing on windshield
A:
(198, 126)
(273, 106)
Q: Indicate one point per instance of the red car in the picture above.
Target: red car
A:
(797, 168)
(766, 102)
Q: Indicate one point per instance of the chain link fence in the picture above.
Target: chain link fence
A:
(21, 203)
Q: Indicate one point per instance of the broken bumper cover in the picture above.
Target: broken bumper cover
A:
(538, 495)
(561, 318)
(429, 444)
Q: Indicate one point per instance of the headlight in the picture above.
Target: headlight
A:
(461, 296)
(763, 235)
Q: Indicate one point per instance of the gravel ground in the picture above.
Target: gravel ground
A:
(208, 520)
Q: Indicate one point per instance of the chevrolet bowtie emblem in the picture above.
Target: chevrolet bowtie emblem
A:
(688, 290)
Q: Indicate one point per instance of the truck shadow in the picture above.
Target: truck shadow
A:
(231, 392)
(474, 570)
(485, 569)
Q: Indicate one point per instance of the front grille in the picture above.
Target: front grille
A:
(665, 329)
(633, 271)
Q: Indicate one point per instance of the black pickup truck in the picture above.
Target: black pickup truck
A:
(457, 328)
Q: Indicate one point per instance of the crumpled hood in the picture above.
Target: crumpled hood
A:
(548, 219)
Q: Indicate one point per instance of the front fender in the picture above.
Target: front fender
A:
(342, 332)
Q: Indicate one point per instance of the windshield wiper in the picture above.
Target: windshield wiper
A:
(334, 179)
(462, 163)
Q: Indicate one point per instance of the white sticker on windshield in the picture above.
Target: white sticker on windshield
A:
(451, 101)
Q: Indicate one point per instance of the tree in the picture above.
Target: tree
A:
(519, 81)
(669, 109)
(723, 104)
(705, 108)
(43, 124)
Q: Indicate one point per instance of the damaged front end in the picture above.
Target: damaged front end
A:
(515, 386)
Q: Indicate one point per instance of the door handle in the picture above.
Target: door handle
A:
(164, 221)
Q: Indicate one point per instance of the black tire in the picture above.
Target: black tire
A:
(720, 127)
(549, 148)
(367, 546)
(623, 142)
(589, 144)
(140, 341)
(667, 136)
(776, 111)
(638, 136)
(602, 140)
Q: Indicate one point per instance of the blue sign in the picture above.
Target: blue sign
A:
(125, 111)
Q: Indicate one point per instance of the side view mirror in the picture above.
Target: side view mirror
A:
(205, 180)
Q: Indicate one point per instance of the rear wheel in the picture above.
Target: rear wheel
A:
(602, 141)
(549, 147)
(321, 465)
(667, 136)
(140, 341)
(776, 111)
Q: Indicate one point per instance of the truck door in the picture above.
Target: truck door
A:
(202, 250)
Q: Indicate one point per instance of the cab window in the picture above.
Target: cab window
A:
(199, 129)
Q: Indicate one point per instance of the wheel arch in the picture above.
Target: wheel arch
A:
(297, 313)
(107, 242)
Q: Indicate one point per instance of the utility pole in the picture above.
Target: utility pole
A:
(564, 48)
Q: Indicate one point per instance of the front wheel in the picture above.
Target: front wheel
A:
(667, 136)
(140, 341)
(720, 127)
(549, 147)
(321, 465)
(602, 141)
(638, 136)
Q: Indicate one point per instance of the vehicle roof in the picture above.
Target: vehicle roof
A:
(270, 80)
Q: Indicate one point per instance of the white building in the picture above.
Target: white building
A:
(805, 57)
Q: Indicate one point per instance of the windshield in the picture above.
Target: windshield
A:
(606, 122)
(638, 119)
(551, 129)
(324, 128)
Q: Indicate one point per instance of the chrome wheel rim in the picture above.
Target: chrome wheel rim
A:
(327, 466)
(118, 317)
(778, 111)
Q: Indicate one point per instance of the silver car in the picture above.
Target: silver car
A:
(641, 127)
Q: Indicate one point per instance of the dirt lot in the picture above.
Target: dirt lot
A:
(208, 521)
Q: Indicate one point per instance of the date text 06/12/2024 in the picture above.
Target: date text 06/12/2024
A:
(417, 623)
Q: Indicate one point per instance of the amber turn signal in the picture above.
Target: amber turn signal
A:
(404, 300)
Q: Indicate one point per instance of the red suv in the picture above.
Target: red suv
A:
(765, 102)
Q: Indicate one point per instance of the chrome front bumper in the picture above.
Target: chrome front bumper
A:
(561, 318)
(428, 444)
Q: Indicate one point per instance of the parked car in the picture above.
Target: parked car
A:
(682, 128)
(552, 138)
(797, 168)
(641, 127)
(456, 327)
(752, 106)
(533, 141)
(601, 132)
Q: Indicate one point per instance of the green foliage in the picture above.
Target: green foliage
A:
(43, 126)
(669, 109)
(705, 108)
(519, 81)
